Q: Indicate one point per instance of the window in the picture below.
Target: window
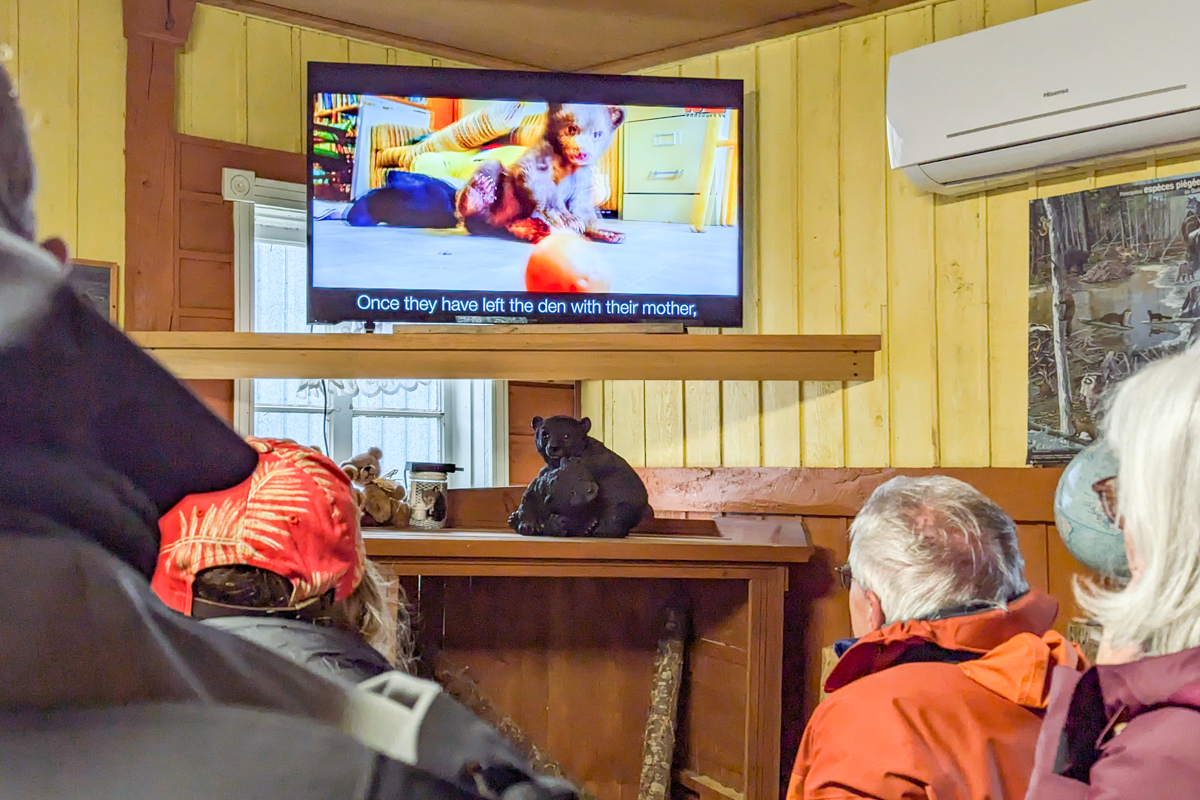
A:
(409, 420)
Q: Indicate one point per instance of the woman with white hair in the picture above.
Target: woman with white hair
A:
(1129, 726)
(942, 694)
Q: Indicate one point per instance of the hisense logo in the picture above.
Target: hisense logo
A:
(1055, 93)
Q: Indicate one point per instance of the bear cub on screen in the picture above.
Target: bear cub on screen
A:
(585, 489)
(551, 185)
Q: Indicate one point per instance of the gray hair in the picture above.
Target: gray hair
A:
(16, 164)
(932, 544)
(1153, 428)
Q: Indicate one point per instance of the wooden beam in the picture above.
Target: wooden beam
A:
(512, 356)
(1027, 494)
(847, 9)
(155, 30)
(303, 19)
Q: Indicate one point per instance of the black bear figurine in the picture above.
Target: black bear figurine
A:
(585, 489)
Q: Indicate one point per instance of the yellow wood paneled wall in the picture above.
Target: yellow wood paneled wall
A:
(241, 78)
(835, 243)
(838, 243)
(67, 58)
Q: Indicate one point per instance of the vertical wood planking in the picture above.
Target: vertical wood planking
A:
(407, 58)
(592, 406)
(48, 81)
(961, 259)
(316, 46)
(10, 36)
(664, 409)
(211, 95)
(818, 58)
(1008, 324)
(912, 366)
(702, 399)
(863, 174)
(275, 107)
(998, 12)
(367, 53)
(625, 411)
(741, 438)
(664, 423)
(778, 242)
(101, 134)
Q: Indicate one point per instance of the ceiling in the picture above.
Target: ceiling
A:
(564, 35)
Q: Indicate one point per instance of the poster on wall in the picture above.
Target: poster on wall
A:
(1114, 283)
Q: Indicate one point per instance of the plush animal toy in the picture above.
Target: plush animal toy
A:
(363, 468)
(383, 504)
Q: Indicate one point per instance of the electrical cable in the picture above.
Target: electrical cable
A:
(325, 416)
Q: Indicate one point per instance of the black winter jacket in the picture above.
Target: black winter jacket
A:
(328, 651)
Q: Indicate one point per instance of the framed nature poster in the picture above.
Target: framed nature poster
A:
(1114, 283)
(96, 282)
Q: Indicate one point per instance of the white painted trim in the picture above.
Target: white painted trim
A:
(243, 306)
(237, 185)
(499, 449)
(280, 194)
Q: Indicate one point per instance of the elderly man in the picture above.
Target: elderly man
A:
(942, 694)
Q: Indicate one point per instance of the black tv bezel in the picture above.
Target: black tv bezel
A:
(334, 305)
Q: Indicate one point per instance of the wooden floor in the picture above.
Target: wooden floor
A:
(656, 258)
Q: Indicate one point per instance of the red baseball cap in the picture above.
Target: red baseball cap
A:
(295, 516)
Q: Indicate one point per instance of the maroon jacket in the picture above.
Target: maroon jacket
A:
(1122, 731)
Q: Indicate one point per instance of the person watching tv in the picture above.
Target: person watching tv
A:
(1126, 727)
(279, 560)
(943, 692)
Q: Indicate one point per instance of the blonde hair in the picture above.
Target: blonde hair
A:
(931, 544)
(365, 611)
(1153, 428)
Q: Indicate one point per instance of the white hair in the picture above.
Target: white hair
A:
(1153, 428)
(933, 544)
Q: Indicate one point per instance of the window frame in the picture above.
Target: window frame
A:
(474, 412)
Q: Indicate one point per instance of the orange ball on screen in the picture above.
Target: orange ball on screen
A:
(564, 262)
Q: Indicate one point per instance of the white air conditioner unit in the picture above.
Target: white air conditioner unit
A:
(1089, 84)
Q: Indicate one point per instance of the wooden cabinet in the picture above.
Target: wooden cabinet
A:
(560, 634)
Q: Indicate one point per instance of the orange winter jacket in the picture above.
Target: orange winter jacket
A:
(938, 710)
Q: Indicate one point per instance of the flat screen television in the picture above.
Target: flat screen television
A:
(477, 196)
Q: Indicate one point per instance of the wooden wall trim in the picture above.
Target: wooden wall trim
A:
(150, 166)
(1026, 494)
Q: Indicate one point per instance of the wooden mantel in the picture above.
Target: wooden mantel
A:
(513, 356)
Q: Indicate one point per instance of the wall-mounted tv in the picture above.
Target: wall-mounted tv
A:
(475, 196)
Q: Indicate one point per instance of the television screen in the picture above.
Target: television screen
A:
(461, 195)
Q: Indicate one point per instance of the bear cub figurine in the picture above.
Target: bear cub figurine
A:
(585, 489)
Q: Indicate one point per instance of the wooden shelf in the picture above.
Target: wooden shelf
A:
(725, 541)
(513, 356)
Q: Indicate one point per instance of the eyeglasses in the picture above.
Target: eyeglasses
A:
(1106, 490)
(844, 575)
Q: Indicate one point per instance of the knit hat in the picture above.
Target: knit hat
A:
(294, 516)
